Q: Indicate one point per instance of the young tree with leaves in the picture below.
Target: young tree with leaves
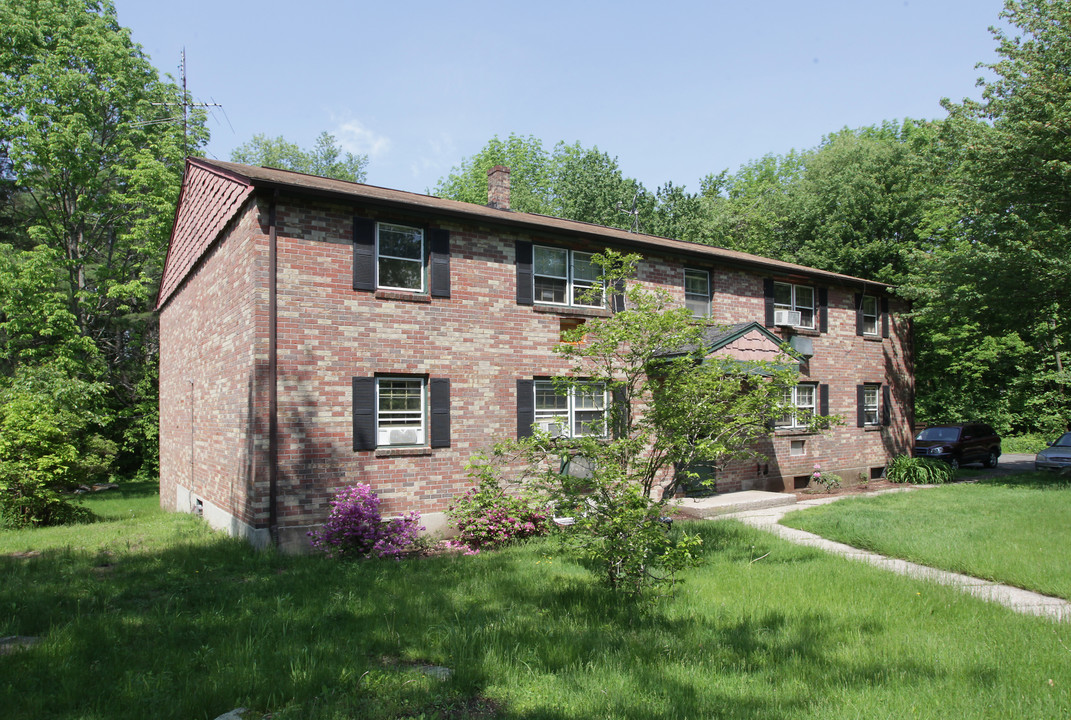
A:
(670, 409)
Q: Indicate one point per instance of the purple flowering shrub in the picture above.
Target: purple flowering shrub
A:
(355, 527)
(486, 517)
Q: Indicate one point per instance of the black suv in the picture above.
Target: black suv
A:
(959, 444)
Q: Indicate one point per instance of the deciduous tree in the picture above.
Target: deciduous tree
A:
(671, 408)
(994, 289)
(325, 159)
(97, 161)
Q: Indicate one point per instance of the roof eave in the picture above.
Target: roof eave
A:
(531, 222)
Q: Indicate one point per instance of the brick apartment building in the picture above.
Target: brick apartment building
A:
(316, 333)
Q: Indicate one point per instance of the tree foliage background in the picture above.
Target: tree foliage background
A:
(90, 170)
(968, 216)
(326, 157)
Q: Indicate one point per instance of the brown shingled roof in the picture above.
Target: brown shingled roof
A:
(209, 200)
(341, 190)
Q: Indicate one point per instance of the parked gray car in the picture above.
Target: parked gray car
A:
(1057, 456)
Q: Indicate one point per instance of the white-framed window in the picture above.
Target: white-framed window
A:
(802, 399)
(870, 315)
(792, 299)
(563, 276)
(399, 257)
(400, 418)
(697, 292)
(871, 395)
(581, 411)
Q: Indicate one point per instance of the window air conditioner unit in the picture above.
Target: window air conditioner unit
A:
(787, 317)
(403, 437)
(554, 429)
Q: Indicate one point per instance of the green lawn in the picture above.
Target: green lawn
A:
(1015, 530)
(151, 616)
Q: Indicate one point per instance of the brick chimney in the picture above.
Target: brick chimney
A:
(498, 187)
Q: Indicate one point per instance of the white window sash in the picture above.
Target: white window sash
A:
(796, 396)
(587, 401)
(870, 315)
(402, 427)
(795, 304)
(418, 261)
(574, 286)
(697, 302)
(871, 404)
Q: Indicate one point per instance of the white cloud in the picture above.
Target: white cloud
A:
(442, 150)
(354, 137)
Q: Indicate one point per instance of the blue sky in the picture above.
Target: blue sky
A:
(675, 91)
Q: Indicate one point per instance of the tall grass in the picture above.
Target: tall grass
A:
(184, 624)
(1011, 529)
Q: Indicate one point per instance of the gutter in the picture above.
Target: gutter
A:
(273, 374)
(347, 193)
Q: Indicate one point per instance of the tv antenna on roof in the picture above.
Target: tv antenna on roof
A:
(186, 104)
(634, 223)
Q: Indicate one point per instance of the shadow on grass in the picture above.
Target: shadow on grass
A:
(139, 488)
(201, 628)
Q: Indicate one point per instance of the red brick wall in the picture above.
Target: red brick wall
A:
(214, 330)
(213, 354)
(842, 360)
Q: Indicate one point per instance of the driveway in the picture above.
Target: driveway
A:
(1009, 464)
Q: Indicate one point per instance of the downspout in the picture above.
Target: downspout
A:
(273, 371)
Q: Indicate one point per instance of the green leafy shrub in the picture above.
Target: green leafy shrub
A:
(919, 471)
(1031, 443)
(486, 517)
(48, 445)
(629, 538)
(830, 481)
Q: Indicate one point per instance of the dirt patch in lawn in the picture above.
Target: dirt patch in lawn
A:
(873, 486)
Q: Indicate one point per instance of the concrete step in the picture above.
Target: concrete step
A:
(731, 502)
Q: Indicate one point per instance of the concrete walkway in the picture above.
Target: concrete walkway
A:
(767, 518)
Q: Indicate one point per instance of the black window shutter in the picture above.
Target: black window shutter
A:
(364, 254)
(364, 413)
(858, 314)
(621, 411)
(823, 309)
(439, 392)
(886, 405)
(823, 400)
(525, 289)
(440, 262)
(885, 317)
(525, 407)
(860, 400)
(617, 302)
(768, 293)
